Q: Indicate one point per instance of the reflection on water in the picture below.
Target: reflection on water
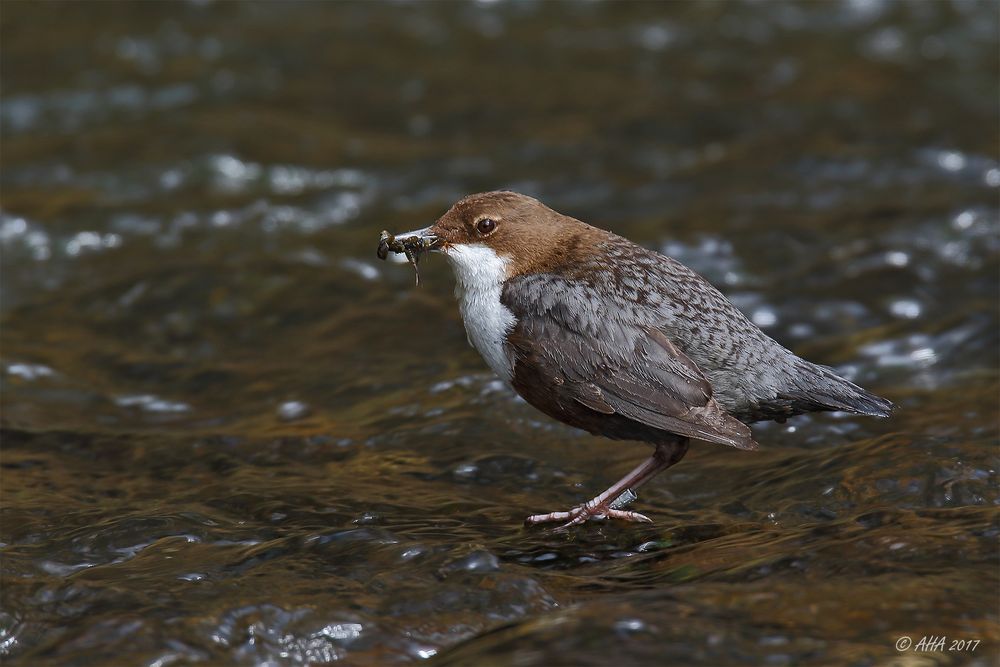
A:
(230, 435)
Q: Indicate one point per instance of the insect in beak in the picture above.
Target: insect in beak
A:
(411, 244)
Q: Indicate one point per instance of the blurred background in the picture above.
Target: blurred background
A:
(232, 436)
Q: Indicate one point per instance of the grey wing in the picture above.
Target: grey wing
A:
(616, 365)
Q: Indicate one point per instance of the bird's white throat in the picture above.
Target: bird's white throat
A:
(479, 276)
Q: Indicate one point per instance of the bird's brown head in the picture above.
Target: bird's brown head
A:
(525, 235)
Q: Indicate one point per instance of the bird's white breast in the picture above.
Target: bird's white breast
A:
(479, 275)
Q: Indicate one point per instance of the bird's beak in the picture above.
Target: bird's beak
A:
(409, 243)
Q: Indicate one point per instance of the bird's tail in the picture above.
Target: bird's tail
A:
(820, 388)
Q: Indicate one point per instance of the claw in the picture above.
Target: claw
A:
(536, 519)
(583, 513)
(625, 515)
(611, 503)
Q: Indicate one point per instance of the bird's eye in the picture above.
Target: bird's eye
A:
(486, 225)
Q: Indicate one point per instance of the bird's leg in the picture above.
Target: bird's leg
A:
(601, 505)
(610, 503)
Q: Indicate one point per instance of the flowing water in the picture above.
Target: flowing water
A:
(232, 436)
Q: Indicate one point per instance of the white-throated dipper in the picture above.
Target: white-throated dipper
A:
(615, 339)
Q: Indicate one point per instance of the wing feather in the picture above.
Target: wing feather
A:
(620, 367)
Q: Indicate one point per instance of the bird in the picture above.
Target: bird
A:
(616, 339)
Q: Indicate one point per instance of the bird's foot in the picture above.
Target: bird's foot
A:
(596, 511)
